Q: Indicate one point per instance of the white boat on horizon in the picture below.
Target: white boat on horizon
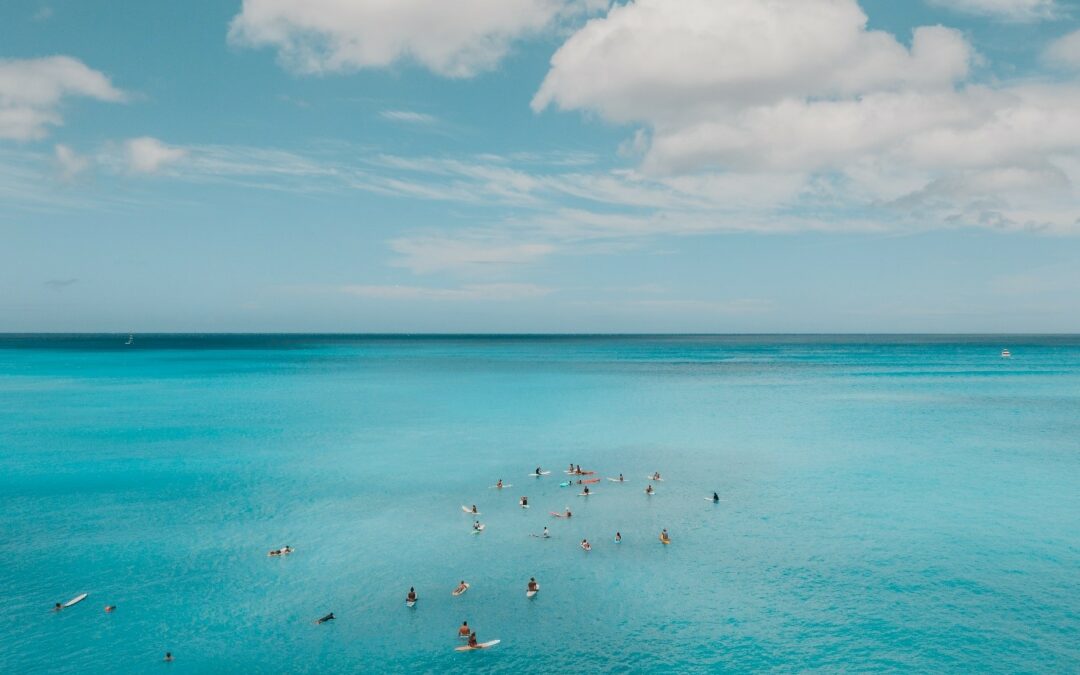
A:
(131, 339)
(1006, 354)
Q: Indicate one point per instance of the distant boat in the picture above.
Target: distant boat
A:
(1006, 354)
(131, 339)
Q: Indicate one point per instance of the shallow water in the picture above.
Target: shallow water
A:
(890, 503)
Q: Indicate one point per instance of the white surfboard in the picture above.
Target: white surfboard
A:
(500, 487)
(466, 509)
(76, 600)
(589, 494)
(482, 645)
(411, 603)
(530, 594)
(458, 591)
(616, 480)
(478, 530)
(661, 480)
(542, 473)
(714, 501)
(524, 506)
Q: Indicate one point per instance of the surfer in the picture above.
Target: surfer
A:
(664, 536)
(715, 497)
(472, 639)
(648, 489)
(568, 514)
(464, 630)
(571, 469)
(533, 586)
(578, 469)
(109, 608)
(476, 525)
(621, 479)
(586, 493)
(411, 597)
(474, 509)
(538, 472)
(462, 587)
(524, 500)
(618, 537)
(328, 617)
(168, 657)
(545, 535)
(499, 484)
(585, 545)
(656, 475)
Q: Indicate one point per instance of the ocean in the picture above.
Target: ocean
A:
(890, 503)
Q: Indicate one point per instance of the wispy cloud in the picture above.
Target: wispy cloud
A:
(408, 117)
(470, 292)
(60, 284)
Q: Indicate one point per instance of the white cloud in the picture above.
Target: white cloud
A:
(1064, 52)
(454, 39)
(69, 163)
(500, 291)
(149, 155)
(478, 254)
(1006, 10)
(31, 91)
(408, 116)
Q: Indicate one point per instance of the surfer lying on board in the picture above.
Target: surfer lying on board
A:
(464, 630)
(472, 639)
(585, 545)
(461, 587)
(328, 617)
(281, 551)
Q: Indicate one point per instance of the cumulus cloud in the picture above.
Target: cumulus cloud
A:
(803, 89)
(454, 39)
(149, 155)
(69, 164)
(1064, 52)
(1006, 10)
(31, 91)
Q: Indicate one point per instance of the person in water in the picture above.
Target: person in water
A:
(464, 630)
(57, 607)
(472, 639)
(545, 535)
(328, 617)
(618, 537)
(648, 489)
(715, 497)
(524, 500)
(499, 484)
(476, 525)
(168, 657)
(109, 608)
(533, 586)
(411, 597)
(461, 587)
(568, 514)
(586, 490)
(474, 509)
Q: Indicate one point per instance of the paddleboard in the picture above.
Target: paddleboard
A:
(500, 487)
(466, 509)
(456, 592)
(565, 483)
(482, 645)
(616, 480)
(530, 594)
(76, 600)
(542, 473)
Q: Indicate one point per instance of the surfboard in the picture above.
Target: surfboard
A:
(482, 645)
(530, 594)
(616, 480)
(466, 509)
(456, 592)
(590, 481)
(542, 473)
(500, 487)
(660, 480)
(411, 603)
(76, 600)
(565, 483)
(714, 501)
(663, 541)
(586, 494)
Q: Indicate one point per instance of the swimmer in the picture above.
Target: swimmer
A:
(328, 617)
(168, 657)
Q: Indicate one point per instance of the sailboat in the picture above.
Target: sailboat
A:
(1006, 354)
(131, 339)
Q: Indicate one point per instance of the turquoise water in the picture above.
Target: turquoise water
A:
(896, 503)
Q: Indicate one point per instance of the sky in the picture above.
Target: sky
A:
(720, 166)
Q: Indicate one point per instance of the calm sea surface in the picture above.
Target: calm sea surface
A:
(890, 503)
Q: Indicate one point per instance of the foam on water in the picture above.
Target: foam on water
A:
(891, 503)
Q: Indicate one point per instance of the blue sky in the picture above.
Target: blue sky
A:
(540, 166)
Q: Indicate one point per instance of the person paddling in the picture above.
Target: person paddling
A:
(328, 617)
(411, 597)
(462, 587)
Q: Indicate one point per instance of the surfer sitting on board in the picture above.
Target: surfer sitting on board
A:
(524, 500)
(538, 472)
(464, 630)
(474, 509)
(618, 537)
(533, 586)
(586, 490)
(411, 597)
(715, 497)
(476, 525)
(545, 535)
(586, 545)
(472, 639)
(664, 536)
(648, 489)
(499, 484)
